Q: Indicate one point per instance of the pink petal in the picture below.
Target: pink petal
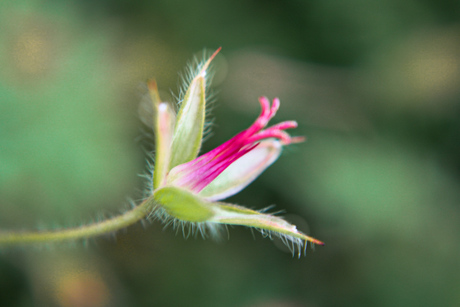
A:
(243, 171)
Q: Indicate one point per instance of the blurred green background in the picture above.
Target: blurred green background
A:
(374, 85)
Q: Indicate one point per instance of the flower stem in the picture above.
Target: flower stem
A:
(130, 217)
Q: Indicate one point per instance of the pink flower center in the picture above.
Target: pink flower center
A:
(198, 173)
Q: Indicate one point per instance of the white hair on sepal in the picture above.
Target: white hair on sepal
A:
(209, 119)
(188, 229)
(295, 245)
(207, 131)
(145, 110)
(193, 68)
(270, 207)
(148, 176)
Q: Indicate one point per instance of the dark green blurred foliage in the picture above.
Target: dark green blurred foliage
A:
(373, 85)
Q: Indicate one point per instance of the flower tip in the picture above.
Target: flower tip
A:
(268, 111)
(265, 104)
(152, 85)
(313, 240)
(206, 65)
(264, 100)
(275, 106)
(297, 139)
(153, 89)
(215, 53)
(319, 242)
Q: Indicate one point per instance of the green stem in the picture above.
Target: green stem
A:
(83, 232)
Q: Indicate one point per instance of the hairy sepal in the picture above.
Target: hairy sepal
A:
(184, 205)
(164, 127)
(237, 215)
(190, 123)
(188, 133)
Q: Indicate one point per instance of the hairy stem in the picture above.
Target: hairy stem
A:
(83, 232)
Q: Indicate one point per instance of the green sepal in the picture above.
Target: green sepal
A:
(164, 127)
(188, 132)
(237, 215)
(184, 205)
(190, 123)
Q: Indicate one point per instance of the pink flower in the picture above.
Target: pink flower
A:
(186, 187)
(200, 172)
